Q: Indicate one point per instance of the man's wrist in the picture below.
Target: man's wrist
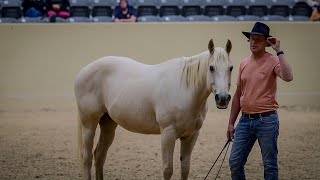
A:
(279, 52)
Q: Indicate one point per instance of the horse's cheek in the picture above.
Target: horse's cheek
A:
(199, 124)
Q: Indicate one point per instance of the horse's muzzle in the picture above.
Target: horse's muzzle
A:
(222, 100)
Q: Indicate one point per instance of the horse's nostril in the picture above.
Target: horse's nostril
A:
(229, 98)
(216, 97)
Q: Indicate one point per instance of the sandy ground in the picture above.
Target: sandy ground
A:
(42, 145)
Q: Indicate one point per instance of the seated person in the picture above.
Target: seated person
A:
(57, 8)
(124, 13)
(315, 16)
(313, 3)
(33, 8)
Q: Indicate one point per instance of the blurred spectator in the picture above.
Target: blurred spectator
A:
(313, 3)
(33, 8)
(315, 16)
(124, 13)
(57, 8)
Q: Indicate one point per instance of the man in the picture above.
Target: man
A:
(124, 13)
(255, 97)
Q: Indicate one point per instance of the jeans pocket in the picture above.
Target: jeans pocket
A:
(271, 119)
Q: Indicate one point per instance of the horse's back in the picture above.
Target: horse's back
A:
(93, 78)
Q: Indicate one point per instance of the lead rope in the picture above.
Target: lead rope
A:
(226, 145)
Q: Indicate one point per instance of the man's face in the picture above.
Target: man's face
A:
(123, 4)
(257, 43)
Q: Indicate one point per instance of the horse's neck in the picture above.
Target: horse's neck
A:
(194, 75)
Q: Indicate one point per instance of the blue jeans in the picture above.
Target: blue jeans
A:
(33, 12)
(266, 130)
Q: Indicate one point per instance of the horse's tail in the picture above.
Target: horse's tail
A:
(80, 142)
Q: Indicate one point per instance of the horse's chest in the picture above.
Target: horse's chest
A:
(189, 125)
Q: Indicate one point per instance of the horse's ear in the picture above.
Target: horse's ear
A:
(211, 46)
(228, 46)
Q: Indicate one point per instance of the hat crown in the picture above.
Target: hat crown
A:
(261, 28)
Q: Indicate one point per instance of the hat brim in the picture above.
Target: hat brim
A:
(248, 34)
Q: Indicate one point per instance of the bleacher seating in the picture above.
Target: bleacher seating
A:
(102, 19)
(80, 8)
(11, 10)
(274, 18)
(299, 18)
(147, 7)
(170, 11)
(79, 19)
(147, 11)
(32, 20)
(173, 18)
(224, 18)
(101, 10)
(280, 10)
(301, 9)
(199, 18)
(149, 19)
(236, 10)
(191, 8)
(258, 10)
(249, 18)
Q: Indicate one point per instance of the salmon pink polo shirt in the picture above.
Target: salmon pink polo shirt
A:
(257, 81)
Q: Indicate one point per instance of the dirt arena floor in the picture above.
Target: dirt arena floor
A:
(42, 145)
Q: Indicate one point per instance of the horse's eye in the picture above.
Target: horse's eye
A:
(231, 68)
(211, 68)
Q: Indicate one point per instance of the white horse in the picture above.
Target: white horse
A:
(169, 98)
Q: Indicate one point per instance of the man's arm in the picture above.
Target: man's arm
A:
(235, 109)
(286, 71)
(132, 19)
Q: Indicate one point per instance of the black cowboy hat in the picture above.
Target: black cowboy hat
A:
(259, 28)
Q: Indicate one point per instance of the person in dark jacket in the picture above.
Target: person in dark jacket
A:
(57, 8)
(33, 8)
(124, 13)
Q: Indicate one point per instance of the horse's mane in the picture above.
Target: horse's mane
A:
(195, 68)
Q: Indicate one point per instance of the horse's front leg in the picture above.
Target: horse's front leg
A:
(168, 138)
(187, 144)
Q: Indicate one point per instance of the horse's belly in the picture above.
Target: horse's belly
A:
(137, 126)
(138, 122)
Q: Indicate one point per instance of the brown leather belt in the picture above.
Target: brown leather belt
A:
(258, 115)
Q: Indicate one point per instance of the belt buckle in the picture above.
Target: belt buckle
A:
(250, 116)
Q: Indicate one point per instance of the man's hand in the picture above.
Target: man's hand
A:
(230, 132)
(275, 43)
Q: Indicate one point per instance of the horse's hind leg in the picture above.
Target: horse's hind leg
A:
(107, 127)
(187, 144)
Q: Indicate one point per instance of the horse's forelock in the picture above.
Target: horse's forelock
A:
(220, 57)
